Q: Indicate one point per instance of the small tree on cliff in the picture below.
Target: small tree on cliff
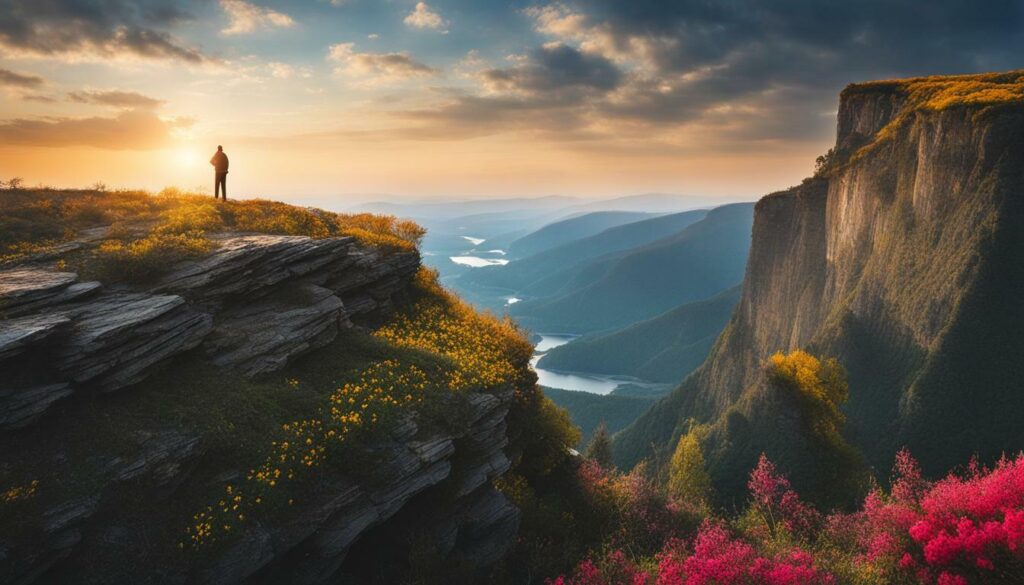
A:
(819, 386)
(600, 448)
(688, 480)
(823, 163)
(818, 389)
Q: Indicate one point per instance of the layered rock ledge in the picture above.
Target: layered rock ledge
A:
(252, 305)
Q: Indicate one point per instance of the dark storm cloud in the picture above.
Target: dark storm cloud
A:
(556, 67)
(868, 35)
(10, 78)
(105, 28)
(746, 69)
(737, 51)
(548, 93)
(116, 99)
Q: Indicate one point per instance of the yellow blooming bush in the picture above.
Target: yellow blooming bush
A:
(383, 390)
(19, 492)
(486, 351)
(820, 385)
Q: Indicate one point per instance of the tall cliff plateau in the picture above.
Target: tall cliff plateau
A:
(902, 259)
(125, 408)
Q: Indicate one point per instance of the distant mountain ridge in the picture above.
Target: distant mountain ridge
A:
(560, 263)
(662, 349)
(577, 227)
(696, 263)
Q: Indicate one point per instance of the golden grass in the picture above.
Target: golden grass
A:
(34, 219)
(149, 233)
(941, 92)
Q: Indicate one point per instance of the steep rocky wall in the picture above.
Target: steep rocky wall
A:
(902, 251)
(249, 308)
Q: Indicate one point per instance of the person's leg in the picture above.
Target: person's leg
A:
(216, 185)
(224, 186)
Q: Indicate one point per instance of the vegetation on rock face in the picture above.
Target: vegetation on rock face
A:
(486, 352)
(146, 232)
(479, 353)
(820, 388)
(136, 260)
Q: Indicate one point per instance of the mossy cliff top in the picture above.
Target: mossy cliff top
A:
(940, 92)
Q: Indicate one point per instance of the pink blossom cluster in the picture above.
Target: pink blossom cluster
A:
(717, 559)
(959, 530)
(777, 502)
(962, 530)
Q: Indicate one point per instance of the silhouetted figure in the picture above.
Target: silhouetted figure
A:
(220, 168)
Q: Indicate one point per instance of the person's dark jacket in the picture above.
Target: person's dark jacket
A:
(220, 162)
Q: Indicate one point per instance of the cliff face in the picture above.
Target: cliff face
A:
(903, 261)
(73, 353)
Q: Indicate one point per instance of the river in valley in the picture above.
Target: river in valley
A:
(479, 258)
(593, 383)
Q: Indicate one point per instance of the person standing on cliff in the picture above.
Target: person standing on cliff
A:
(220, 169)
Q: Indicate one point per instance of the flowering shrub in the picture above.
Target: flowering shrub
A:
(485, 351)
(716, 559)
(383, 390)
(961, 530)
(19, 492)
(777, 504)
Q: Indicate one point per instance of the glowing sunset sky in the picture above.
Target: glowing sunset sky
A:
(460, 97)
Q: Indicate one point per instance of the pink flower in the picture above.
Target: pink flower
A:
(772, 495)
(951, 579)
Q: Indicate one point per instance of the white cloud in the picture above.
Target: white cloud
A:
(376, 68)
(423, 17)
(373, 36)
(246, 18)
(286, 71)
